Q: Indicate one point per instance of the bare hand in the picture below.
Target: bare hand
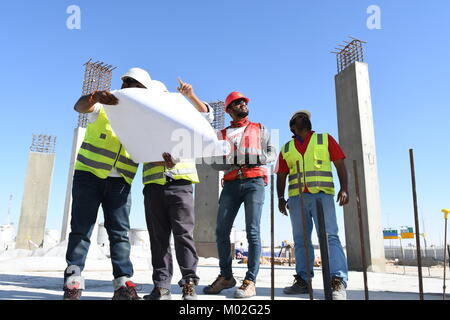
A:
(282, 206)
(105, 97)
(185, 89)
(169, 161)
(342, 197)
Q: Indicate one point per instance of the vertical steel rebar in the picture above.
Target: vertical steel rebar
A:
(416, 220)
(305, 236)
(324, 251)
(446, 212)
(361, 231)
(445, 259)
(272, 236)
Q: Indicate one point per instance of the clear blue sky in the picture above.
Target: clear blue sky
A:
(277, 53)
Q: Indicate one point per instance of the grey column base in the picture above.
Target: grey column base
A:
(206, 249)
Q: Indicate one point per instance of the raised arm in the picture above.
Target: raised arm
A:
(186, 90)
(86, 103)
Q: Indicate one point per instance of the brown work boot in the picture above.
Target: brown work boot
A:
(126, 292)
(220, 284)
(72, 294)
(246, 290)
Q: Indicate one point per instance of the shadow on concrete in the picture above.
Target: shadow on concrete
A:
(21, 282)
(53, 288)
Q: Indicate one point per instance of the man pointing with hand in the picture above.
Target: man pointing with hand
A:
(169, 209)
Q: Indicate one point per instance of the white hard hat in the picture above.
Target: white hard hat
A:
(158, 85)
(140, 75)
(296, 113)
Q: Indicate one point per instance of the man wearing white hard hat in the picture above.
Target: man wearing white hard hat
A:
(103, 175)
(315, 152)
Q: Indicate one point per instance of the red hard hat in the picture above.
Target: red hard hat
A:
(234, 96)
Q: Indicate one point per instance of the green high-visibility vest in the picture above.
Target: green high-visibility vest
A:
(153, 173)
(315, 166)
(101, 151)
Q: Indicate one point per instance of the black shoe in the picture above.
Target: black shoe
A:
(72, 294)
(189, 291)
(300, 286)
(159, 293)
(127, 292)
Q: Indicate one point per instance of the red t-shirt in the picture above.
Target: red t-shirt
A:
(334, 149)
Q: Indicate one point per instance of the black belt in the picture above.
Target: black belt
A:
(179, 182)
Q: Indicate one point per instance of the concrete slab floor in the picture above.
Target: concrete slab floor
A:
(47, 285)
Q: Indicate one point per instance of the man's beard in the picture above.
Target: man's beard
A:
(242, 114)
(304, 124)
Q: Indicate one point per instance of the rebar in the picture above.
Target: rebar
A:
(349, 53)
(416, 220)
(272, 235)
(305, 235)
(43, 143)
(97, 77)
(361, 231)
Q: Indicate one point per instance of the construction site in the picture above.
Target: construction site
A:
(387, 260)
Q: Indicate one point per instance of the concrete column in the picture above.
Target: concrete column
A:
(36, 193)
(207, 194)
(357, 138)
(78, 137)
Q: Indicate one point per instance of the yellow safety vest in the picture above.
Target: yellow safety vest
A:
(101, 151)
(153, 173)
(315, 166)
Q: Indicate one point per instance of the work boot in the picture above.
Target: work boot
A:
(338, 288)
(73, 287)
(189, 291)
(220, 284)
(72, 294)
(246, 290)
(300, 286)
(126, 292)
(159, 293)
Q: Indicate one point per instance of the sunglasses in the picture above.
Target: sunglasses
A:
(237, 102)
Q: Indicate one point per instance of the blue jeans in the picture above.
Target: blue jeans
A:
(338, 261)
(88, 192)
(251, 193)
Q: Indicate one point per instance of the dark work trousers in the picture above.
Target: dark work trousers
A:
(114, 195)
(170, 208)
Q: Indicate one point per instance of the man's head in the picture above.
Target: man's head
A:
(136, 78)
(300, 121)
(236, 105)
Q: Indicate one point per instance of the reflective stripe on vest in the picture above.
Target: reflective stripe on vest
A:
(315, 166)
(101, 151)
(157, 174)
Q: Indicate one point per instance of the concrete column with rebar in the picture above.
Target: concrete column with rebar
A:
(357, 138)
(36, 193)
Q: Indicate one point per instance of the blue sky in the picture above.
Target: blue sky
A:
(277, 53)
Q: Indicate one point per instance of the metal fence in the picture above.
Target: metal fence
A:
(411, 253)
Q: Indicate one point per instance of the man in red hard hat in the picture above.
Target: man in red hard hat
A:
(244, 180)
